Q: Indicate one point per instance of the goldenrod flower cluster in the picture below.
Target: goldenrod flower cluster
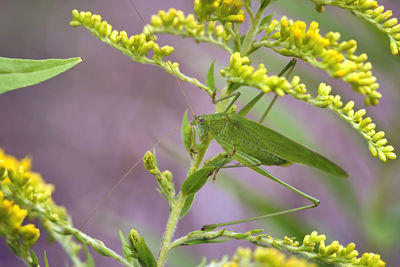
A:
(336, 253)
(175, 22)
(240, 71)
(261, 257)
(137, 46)
(372, 12)
(18, 173)
(291, 38)
(222, 10)
(11, 226)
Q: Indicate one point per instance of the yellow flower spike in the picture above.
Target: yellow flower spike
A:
(337, 59)
(240, 72)
(373, 13)
(29, 234)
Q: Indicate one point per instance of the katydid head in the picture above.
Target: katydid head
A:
(202, 124)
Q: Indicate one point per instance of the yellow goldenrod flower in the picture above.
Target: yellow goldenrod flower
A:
(222, 10)
(292, 38)
(372, 12)
(240, 71)
(176, 23)
(11, 226)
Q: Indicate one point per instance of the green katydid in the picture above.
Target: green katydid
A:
(253, 144)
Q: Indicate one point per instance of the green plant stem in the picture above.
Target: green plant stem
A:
(262, 240)
(185, 34)
(247, 43)
(144, 60)
(169, 231)
(64, 228)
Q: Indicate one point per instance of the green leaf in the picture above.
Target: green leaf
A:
(187, 205)
(210, 81)
(186, 132)
(145, 256)
(35, 260)
(17, 73)
(266, 20)
(89, 259)
(196, 181)
(46, 263)
(265, 3)
(125, 248)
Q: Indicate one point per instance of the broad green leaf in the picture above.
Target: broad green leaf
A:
(17, 73)
(145, 256)
(187, 206)
(210, 81)
(196, 181)
(186, 132)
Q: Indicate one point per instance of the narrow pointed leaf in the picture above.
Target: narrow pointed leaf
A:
(46, 263)
(210, 81)
(125, 248)
(186, 132)
(17, 73)
(187, 205)
(35, 260)
(196, 181)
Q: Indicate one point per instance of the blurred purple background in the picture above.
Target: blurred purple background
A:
(86, 127)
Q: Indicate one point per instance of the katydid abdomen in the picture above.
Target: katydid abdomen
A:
(256, 141)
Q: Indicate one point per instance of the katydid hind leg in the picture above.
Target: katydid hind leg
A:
(288, 70)
(247, 161)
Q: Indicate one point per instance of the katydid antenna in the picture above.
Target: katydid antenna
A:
(168, 62)
(120, 180)
(134, 165)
